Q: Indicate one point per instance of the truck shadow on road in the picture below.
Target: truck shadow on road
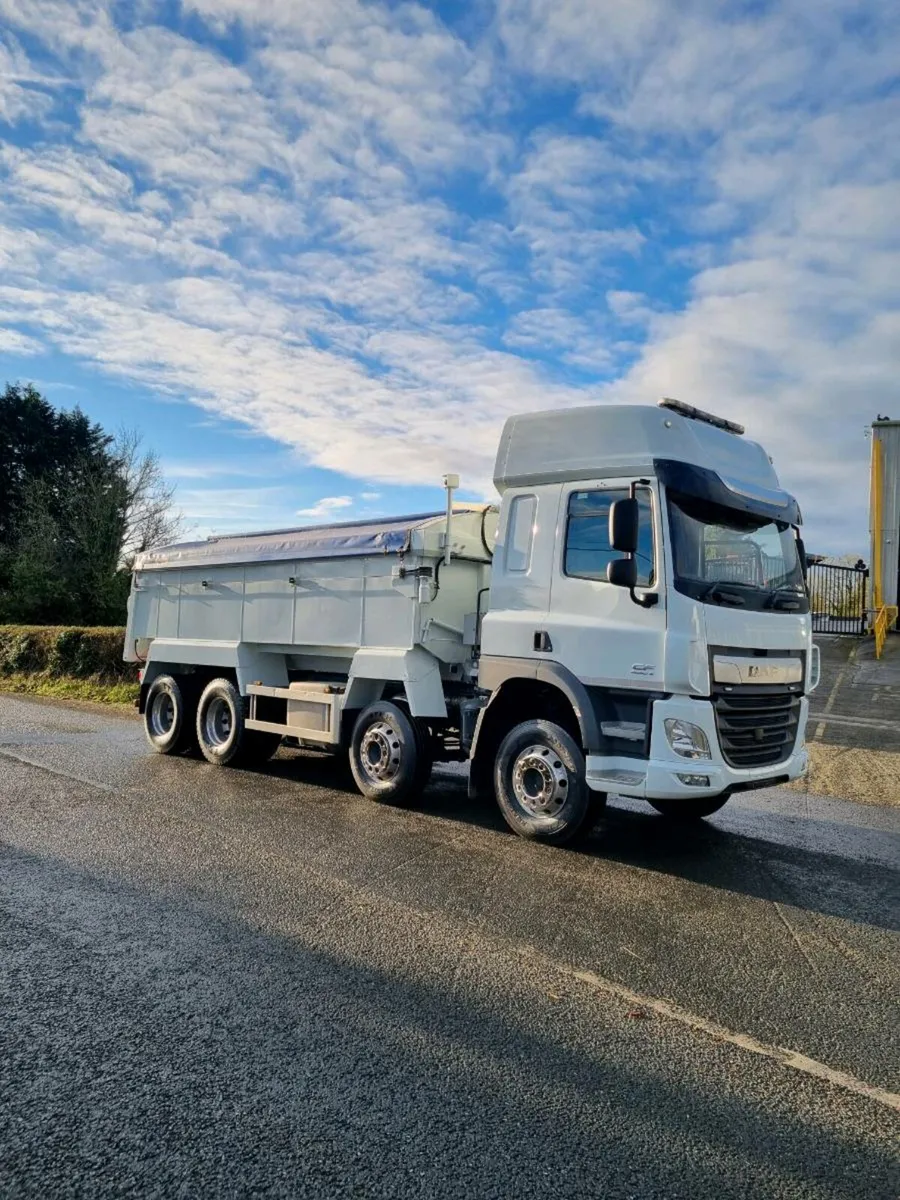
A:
(836, 869)
(210, 1053)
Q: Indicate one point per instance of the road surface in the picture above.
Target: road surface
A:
(230, 984)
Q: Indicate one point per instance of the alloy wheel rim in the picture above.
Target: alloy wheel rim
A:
(381, 752)
(540, 782)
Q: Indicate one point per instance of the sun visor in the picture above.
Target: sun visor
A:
(754, 498)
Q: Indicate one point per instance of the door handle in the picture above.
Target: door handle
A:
(542, 641)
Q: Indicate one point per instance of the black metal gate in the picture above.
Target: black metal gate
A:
(838, 596)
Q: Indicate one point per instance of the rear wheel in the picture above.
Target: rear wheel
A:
(389, 758)
(169, 713)
(425, 751)
(691, 808)
(540, 785)
(225, 740)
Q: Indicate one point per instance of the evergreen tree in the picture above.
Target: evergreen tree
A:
(77, 506)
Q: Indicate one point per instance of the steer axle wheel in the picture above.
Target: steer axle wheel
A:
(389, 754)
(539, 781)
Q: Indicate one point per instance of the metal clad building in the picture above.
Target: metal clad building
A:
(885, 512)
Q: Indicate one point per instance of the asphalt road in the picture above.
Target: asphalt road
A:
(233, 984)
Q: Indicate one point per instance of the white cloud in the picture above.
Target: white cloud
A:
(791, 321)
(14, 342)
(326, 508)
(25, 93)
(369, 241)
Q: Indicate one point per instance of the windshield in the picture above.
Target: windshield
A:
(724, 556)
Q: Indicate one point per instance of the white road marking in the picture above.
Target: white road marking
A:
(829, 704)
(31, 762)
(787, 1058)
(860, 722)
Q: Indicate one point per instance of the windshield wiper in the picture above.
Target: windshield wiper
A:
(716, 592)
(784, 597)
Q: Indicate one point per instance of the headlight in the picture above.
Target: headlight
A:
(686, 739)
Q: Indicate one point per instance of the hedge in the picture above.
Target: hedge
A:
(61, 652)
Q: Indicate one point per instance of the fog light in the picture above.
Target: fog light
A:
(693, 780)
(686, 739)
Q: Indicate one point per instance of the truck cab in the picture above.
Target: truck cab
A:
(648, 592)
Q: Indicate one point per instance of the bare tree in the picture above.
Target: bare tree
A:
(150, 518)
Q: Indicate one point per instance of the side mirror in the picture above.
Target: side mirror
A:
(622, 572)
(624, 519)
(801, 553)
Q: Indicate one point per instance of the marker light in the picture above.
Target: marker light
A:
(697, 414)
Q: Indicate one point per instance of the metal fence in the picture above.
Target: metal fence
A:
(838, 597)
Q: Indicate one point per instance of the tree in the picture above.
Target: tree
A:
(151, 519)
(39, 443)
(79, 507)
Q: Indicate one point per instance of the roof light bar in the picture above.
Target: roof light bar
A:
(697, 414)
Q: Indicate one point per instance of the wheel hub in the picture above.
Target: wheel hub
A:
(540, 781)
(380, 752)
(162, 715)
(217, 724)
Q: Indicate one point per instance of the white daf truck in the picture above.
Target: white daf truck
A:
(632, 619)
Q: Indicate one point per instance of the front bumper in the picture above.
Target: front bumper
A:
(657, 778)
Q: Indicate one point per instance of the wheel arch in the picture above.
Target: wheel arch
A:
(522, 690)
(416, 670)
(240, 662)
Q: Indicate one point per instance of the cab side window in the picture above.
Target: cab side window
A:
(520, 533)
(588, 552)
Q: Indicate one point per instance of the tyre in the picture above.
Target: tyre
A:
(225, 740)
(540, 785)
(426, 756)
(388, 757)
(169, 713)
(691, 808)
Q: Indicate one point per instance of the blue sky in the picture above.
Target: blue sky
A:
(317, 252)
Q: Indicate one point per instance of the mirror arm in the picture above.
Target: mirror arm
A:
(650, 600)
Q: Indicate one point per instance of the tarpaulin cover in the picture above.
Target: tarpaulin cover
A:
(349, 540)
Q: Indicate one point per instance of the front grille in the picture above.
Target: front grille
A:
(757, 726)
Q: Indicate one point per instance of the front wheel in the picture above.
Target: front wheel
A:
(691, 808)
(540, 785)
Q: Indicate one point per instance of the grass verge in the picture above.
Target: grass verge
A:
(94, 688)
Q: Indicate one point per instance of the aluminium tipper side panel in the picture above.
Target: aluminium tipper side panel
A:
(269, 602)
(332, 604)
(210, 604)
(169, 587)
(143, 614)
(328, 608)
(390, 611)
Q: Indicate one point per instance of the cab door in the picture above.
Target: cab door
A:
(594, 627)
